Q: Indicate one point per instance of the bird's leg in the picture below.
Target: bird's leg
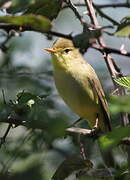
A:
(96, 123)
(95, 129)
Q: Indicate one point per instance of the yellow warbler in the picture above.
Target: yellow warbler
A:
(79, 85)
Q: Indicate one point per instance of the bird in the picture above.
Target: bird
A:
(79, 85)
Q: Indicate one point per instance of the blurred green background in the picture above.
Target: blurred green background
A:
(36, 150)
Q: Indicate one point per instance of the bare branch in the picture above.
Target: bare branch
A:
(109, 50)
(112, 67)
(58, 34)
(74, 9)
(86, 132)
(106, 16)
(119, 5)
(9, 27)
(79, 131)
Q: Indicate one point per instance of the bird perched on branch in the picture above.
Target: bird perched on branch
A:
(79, 85)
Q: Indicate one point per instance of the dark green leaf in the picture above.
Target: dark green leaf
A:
(124, 28)
(29, 168)
(111, 139)
(47, 8)
(18, 6)
(71, 164)
(120, 104)
(36, 23)
(96, 174)
(25, 97)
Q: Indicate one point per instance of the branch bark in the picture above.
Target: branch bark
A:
(119, 5)
(112, 67)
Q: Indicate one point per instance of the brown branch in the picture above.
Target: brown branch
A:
(85, 24)
(87, 132)
(91, 12)
(79, 131)
(112, 67)
(102, 14)
(74, 9)
(58, 34)
(119, 5)
(9, 27)
(98, 7)
(109, 50)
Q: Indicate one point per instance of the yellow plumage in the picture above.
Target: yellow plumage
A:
(79, 85)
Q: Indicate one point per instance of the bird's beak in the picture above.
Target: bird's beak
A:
(50, 50)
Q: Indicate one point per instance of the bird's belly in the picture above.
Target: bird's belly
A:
(76, 97)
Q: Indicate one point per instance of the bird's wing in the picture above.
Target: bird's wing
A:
(99, 94)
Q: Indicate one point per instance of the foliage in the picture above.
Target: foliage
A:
(70, 165)
(33, 121)
(124, 27)
(124, 81)
(37, 23)
(120, 104)
(113, 138)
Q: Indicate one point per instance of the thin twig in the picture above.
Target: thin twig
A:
(75, 122)
(85, 24)
(119, 5)
(5, 135)
(4, 100)
(105, 16)
(112, 67)
(58, 34)
(109, 50)
(9, 27)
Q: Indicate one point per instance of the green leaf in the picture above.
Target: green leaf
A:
(120, 104)
(124, 28)
(70, 165)
(111, 139)
(18, 6)
(96, 174)
(124, 81)
(33, 22)
(25, 97)
(29, 168)
(47, 8)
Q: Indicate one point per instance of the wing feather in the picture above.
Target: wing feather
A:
(100, 96)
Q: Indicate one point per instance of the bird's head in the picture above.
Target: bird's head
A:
(63, 51)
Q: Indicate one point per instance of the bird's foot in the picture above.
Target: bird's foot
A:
(95, 133)
(95, 130)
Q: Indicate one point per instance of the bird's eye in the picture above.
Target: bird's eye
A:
(67, 50)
